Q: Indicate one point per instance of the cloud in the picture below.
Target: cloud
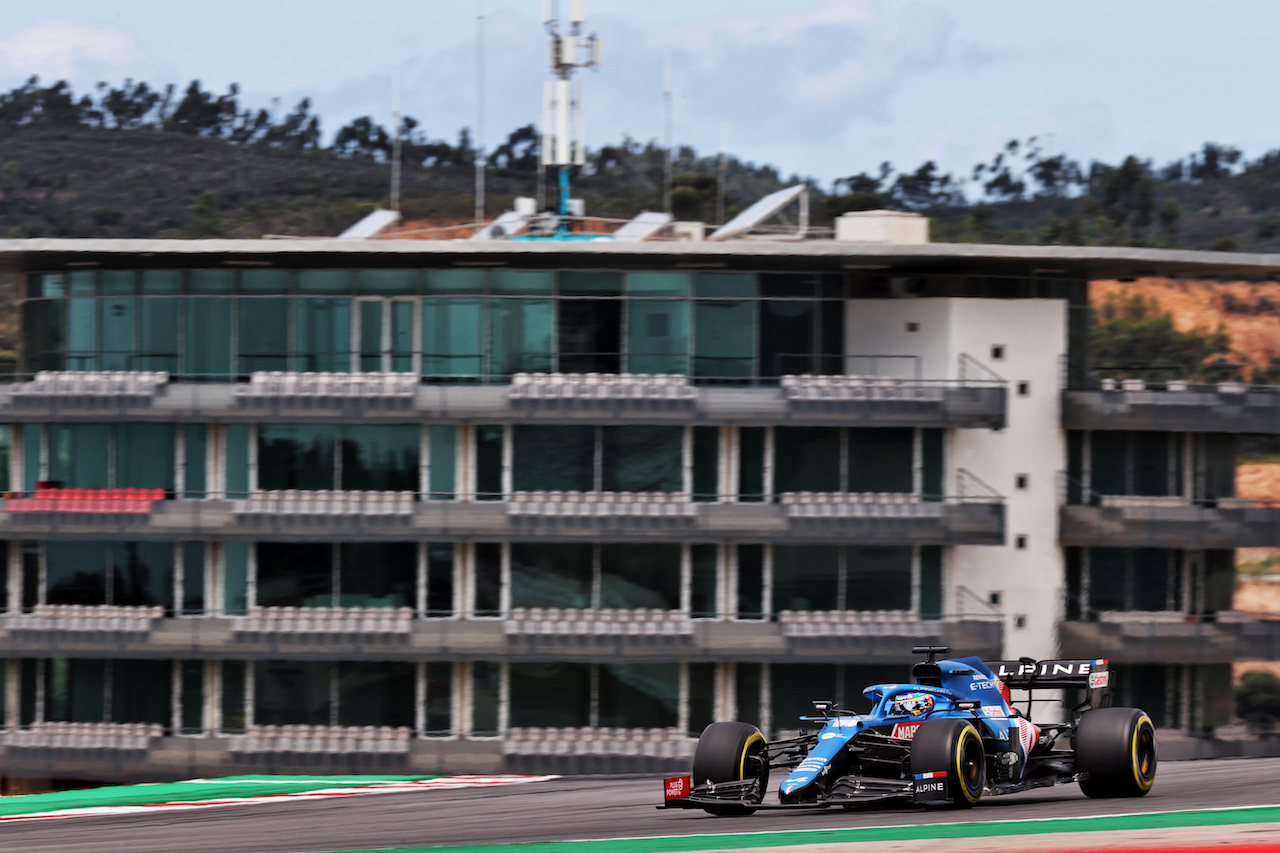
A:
(63, 49)
(808, 73)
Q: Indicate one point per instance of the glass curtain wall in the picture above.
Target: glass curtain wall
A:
(86, 572)
(848, 577)
(868, 460)
(574, 575)
(350, 574)
(618, 695)
(597, 458)
(346, 457)
(107, 691)
(460, 325)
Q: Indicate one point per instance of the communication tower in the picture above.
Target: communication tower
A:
(563, 118)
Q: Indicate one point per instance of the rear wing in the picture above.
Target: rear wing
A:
(1027, 674)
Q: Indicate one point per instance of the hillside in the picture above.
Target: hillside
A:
(1249, 312)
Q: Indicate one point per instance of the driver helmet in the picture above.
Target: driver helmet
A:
(911, 704)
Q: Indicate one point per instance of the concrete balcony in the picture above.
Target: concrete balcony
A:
(1174, 407)
(106, 751)
(845, 401)
(582, 635)
(1166, 637)
(372, 516)
(1122, 521)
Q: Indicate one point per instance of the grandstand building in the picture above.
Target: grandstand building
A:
(474, 506)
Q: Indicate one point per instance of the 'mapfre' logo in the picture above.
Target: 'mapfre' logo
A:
(905, 731)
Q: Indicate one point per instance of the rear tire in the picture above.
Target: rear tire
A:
(953, 745)
(1117, 748)
(730, 752)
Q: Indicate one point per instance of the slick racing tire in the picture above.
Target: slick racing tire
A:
(1117, 748)
(954, 746)
(730, 752)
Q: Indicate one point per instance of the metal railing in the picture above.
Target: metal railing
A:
(481, 368)
(1074, 492)
(1161, 376)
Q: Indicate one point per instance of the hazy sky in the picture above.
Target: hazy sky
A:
(819, 87)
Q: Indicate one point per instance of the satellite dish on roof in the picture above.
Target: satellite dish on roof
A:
(771, 206)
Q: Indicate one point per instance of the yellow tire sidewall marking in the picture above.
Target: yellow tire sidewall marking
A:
(754, 737)
(966, 732)
(1143, 784)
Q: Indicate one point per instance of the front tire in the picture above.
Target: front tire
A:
(731, 752)
(1117, 748)
(955, 746)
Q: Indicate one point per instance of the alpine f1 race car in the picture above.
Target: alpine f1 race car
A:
(946, 740)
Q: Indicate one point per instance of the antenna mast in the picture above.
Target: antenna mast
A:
(563, 117)
(480, 114)
(667, 177)
(395, 143)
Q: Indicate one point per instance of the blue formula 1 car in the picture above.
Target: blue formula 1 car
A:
(946, 740)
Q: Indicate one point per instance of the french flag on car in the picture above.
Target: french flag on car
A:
(936, 774)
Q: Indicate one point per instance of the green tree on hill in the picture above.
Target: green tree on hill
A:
(1130, 336)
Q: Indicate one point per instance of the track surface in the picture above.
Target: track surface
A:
(578, 808)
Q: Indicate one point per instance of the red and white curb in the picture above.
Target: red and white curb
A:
(442, 783)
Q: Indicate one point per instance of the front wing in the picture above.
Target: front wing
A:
(848, 791)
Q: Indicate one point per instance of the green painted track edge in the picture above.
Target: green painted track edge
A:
(191, 791)
(905, 832)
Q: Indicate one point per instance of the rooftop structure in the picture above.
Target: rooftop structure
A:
(367, 503)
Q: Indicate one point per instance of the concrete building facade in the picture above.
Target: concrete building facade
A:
(478, 506)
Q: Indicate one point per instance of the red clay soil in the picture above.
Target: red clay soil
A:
(1254, 325)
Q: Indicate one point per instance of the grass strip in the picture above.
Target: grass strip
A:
(904, 832)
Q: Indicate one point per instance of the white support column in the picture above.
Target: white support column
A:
(766, 697)
(424, 457)
(729, 476)
(419, 699)
(729, 564)
(917, 461)
(42, 574)
(766, 571)
(915, 580)
(686, 578)
(216, 476)
(682, 707)
(179, 577)
(13, 575)
(726, 707)
(248, 694)
(180, 461)
(12, 693)
(508, 440)
(213, 578)
(18, 459)
(211, 720)
(767, 486)
(460, 700)
(686, 477)
(504, 584)
(175, 697)
(420, 584)
(463, 580)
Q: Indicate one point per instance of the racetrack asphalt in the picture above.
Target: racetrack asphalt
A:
(580, 808)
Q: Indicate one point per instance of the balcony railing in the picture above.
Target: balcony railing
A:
(1164, 521)
(597, 622)
(323, 740)
(120, 737)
